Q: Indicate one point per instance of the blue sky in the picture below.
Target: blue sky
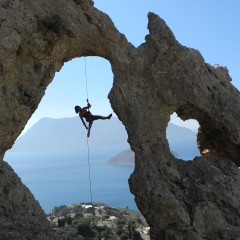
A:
(212, 27)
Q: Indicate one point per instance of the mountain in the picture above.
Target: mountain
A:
(69, 133)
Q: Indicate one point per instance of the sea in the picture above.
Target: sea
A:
(79, 176)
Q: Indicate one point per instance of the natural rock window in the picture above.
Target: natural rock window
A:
(182, 137)
(180, 199)
(56, 132)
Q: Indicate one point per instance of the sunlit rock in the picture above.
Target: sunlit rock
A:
(190, 200)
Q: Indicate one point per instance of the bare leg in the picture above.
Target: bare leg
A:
(97, 117)
(89, 128)
(90, 122)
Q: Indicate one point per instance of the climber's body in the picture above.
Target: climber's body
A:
(85, 113)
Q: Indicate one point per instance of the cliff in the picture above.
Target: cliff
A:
(180, 200)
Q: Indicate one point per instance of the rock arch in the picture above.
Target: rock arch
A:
(179, 199)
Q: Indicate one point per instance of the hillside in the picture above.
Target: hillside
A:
(98, 221)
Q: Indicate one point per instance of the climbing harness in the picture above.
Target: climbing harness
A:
(89, 166)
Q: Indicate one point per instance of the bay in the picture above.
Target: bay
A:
(63, 177)
(184, 149)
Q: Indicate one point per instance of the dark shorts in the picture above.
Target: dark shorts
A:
(89, 118)
(92, 118)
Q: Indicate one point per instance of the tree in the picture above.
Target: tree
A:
(76, 207)
(84, 229)
(62, 210)
(119, 231)
(131, 228)
(124, 236)
(137, 236)
(55, 210)
(106, 234)
(61, 222)
(139, 220)
(68, 220)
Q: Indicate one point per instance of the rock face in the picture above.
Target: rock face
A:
(21, 217)
(180, 200)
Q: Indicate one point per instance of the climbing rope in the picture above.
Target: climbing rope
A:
(89, 172)
(89, 166)
(86, 77)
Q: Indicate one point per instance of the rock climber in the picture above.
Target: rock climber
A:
(85, 113)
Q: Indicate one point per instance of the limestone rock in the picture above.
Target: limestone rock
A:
(180, 200)
(21, 217)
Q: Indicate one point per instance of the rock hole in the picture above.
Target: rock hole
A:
(51, 155)
(181, 137)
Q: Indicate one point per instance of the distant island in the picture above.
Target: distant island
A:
(126, 157)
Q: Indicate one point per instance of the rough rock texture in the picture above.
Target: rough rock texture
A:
(21, 217)
(181, 200)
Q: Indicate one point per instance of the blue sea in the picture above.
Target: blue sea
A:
(63, 177)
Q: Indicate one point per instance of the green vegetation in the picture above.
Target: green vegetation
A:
(100, 221)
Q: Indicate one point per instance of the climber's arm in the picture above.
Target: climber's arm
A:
(83, 122)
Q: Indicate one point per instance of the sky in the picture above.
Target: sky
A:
(212, 27)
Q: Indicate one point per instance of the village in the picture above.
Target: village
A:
(98, 221)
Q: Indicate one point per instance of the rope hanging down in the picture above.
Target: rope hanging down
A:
(89, 173)
(86, 77)
(89, 167)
